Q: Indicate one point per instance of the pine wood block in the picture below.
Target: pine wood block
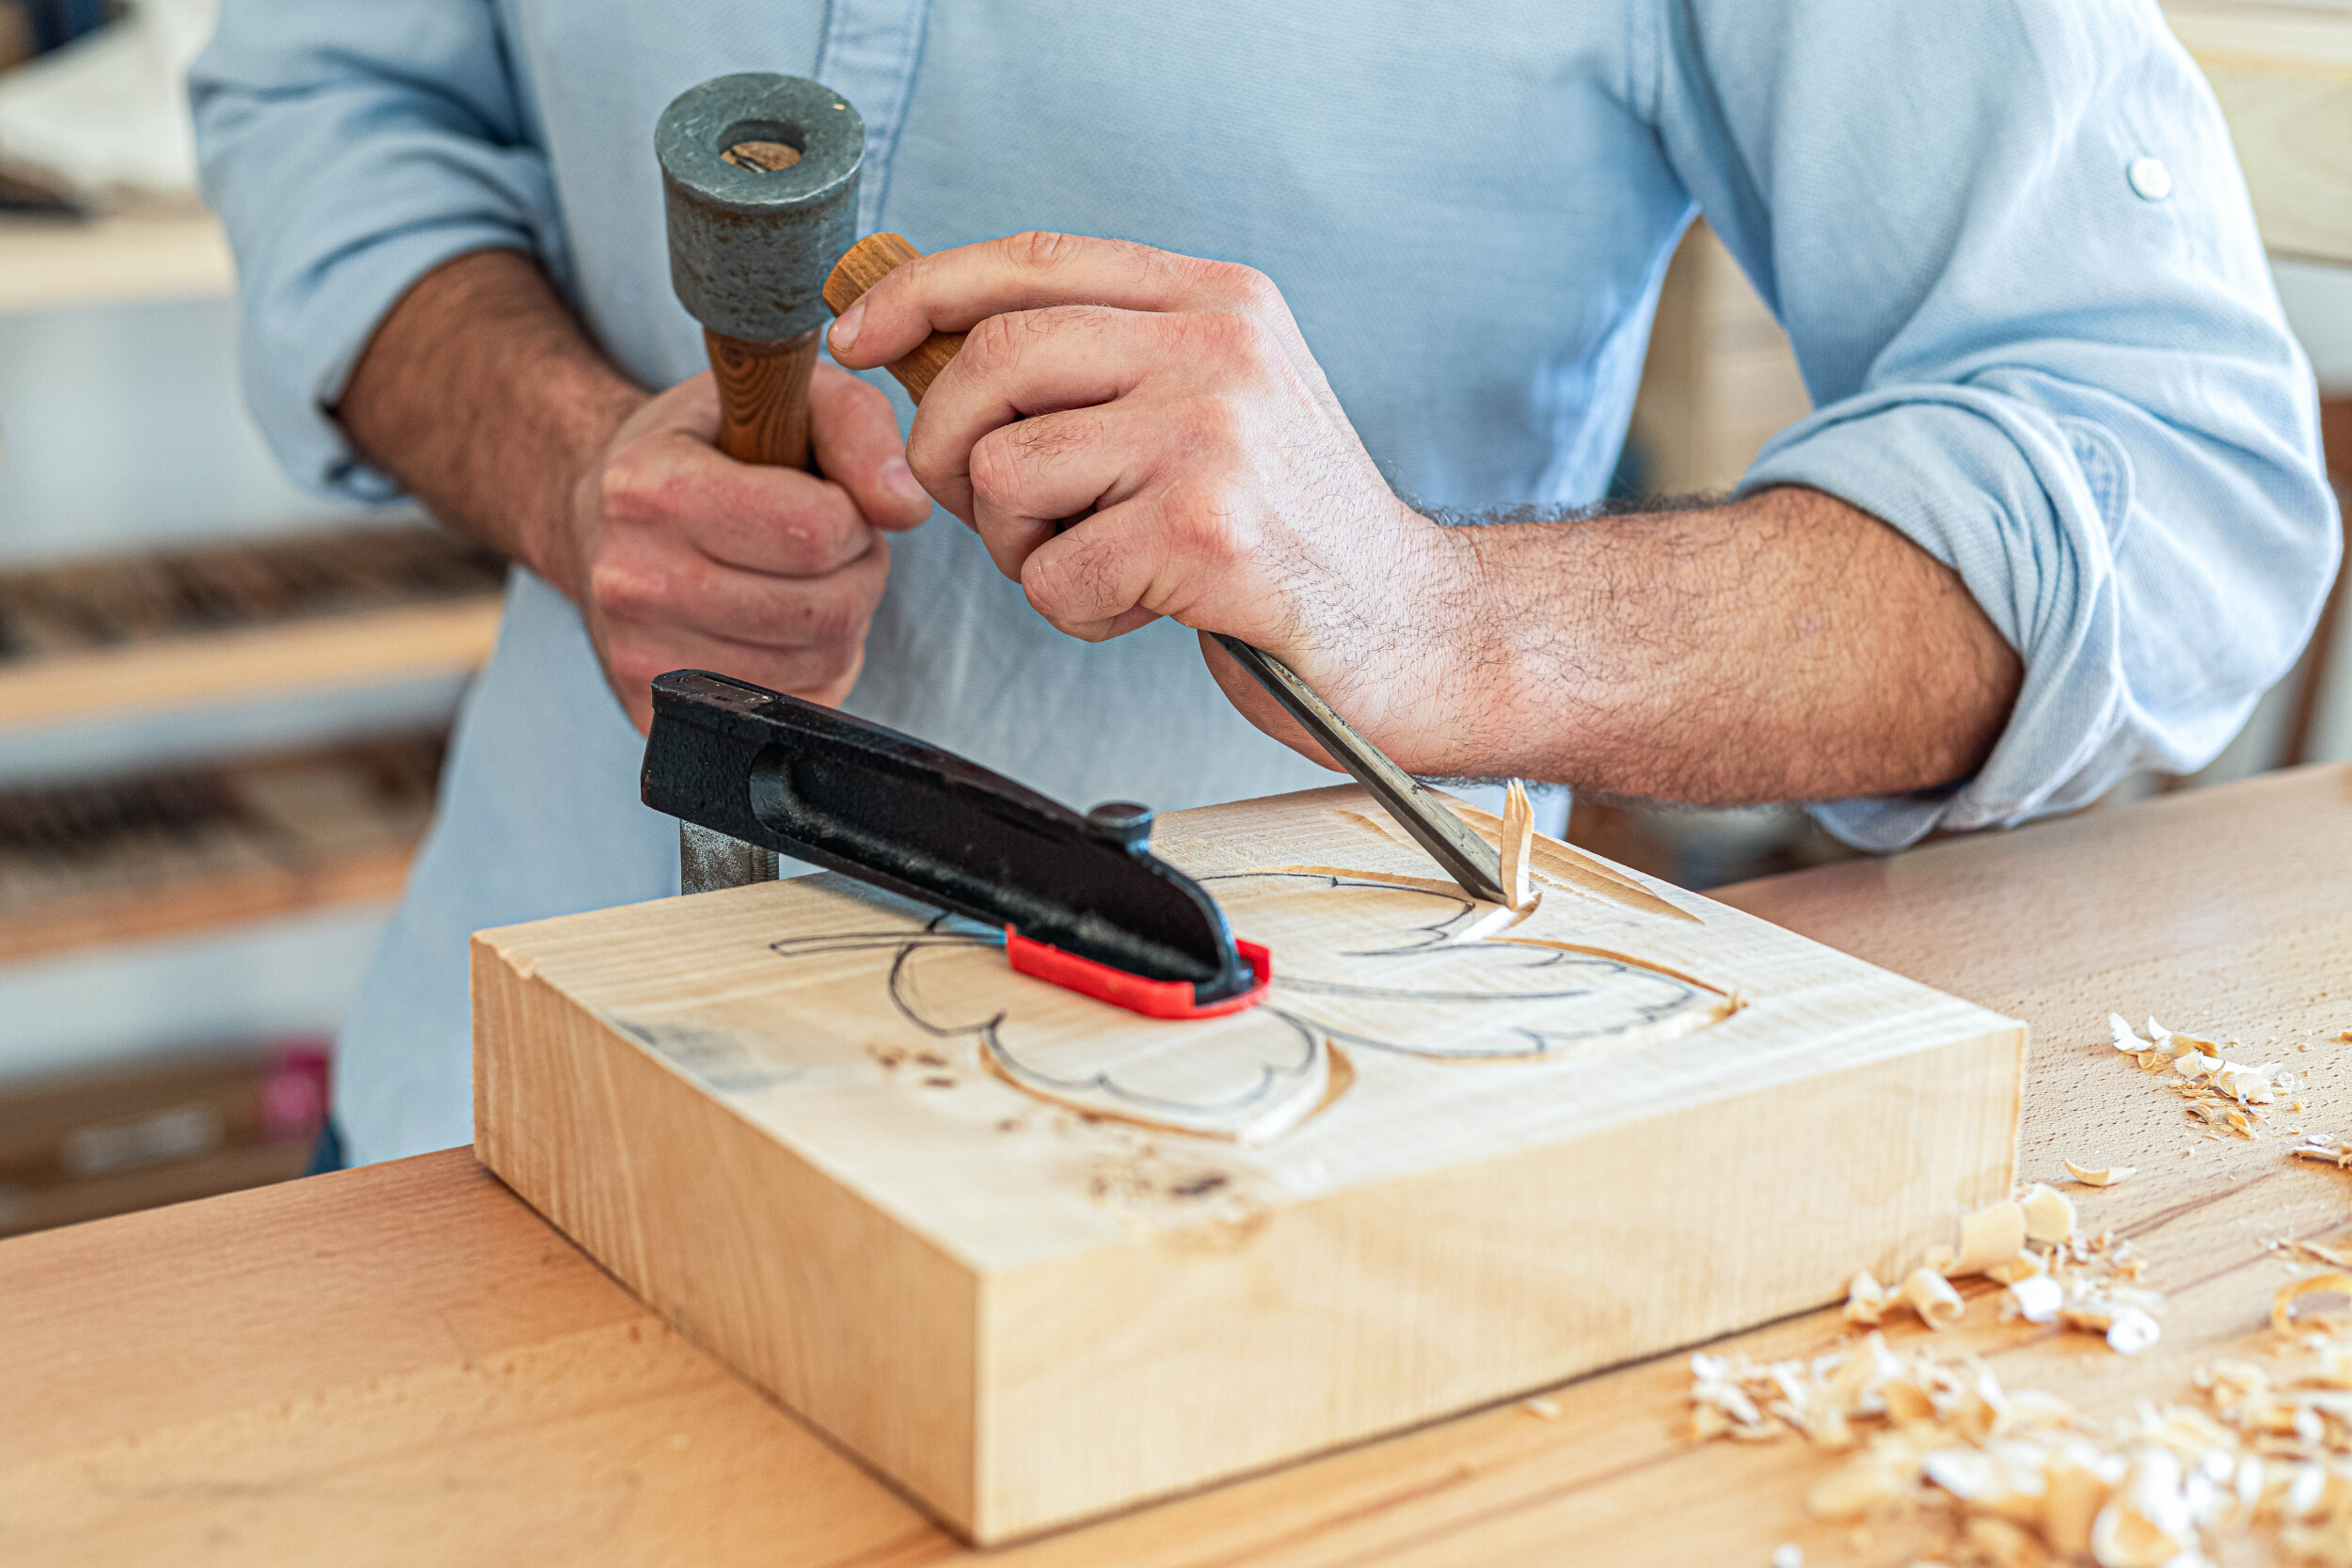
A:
(1035, 1260)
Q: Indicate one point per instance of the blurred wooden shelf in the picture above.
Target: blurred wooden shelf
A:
(122, 636)
(363, 648)
(2284, 76)
(135, 860)
(132, 257)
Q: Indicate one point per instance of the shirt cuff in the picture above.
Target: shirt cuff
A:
(2025, 507)
(298, 354)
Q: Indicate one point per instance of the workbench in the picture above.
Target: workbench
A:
(404, 1364)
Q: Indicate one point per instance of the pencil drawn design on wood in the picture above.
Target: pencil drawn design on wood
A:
(1363, 961)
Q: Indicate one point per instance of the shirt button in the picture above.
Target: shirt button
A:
(2150, 179)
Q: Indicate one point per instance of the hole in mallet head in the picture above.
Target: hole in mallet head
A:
(762, 145)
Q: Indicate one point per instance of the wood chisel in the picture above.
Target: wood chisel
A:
(1470, 859)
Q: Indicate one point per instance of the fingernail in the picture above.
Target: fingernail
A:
(845, 330)
(899, 481)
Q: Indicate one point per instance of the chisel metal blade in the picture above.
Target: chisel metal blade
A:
(1470, 859)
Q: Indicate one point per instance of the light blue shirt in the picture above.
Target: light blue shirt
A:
(2083, 400)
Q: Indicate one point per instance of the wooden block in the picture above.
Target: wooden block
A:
(945, 1213)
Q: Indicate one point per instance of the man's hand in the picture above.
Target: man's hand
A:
(681, 558)
(1172, 405)
(481, 393)
(1786, 645)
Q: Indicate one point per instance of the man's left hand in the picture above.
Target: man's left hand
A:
(1171, 406)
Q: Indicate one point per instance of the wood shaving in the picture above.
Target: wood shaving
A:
(2030, 1482)
(1990, 1236)
(1866, 1300)
(2049, 1213)
(1516, 844)
(2036, 1299)
(1933, 1297)
(2227, 1095)
(2106, 1178)
(2322, 1146)
(2282, 1304)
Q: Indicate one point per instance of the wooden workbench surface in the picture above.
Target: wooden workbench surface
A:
(405, 1365)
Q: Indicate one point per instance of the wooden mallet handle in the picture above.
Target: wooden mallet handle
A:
(763, 397)
(867, 264)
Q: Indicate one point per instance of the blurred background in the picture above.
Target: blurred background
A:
(223, 703)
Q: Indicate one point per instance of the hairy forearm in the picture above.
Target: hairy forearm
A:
(481, 394)
(1785, 646)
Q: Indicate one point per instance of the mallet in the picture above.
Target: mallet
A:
(759, 174)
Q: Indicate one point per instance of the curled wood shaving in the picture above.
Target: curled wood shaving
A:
(2322, 1146)
(1933, 1297)
(1992, 1235)
(2106, 1178)
(2282, 1304)
(1866, 1300)
(1516, 844)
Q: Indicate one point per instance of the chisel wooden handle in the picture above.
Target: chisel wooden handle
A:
(867, 264)
(763, 397)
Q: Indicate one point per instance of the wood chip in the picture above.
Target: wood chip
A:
(2282, 1304)
(1990, 1236)
(2106, 1178)
(2049, 1213)
(1866, 1300)
(1933, 1297)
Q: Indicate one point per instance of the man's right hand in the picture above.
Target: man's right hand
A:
(679, 557)
(481, 394)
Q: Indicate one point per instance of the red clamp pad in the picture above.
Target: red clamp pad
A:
(1151, 998)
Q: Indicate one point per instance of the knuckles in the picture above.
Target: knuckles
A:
(1039, 249)
(635, 489)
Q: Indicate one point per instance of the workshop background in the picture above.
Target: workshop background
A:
(223, 702)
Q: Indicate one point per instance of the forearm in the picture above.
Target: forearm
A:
(1786, 646)
(483, 395)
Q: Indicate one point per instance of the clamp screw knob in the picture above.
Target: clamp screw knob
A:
(1121, 822)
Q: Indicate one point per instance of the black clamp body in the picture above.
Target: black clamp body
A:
(853, 796)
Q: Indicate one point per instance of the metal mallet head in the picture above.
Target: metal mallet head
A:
(760, 176)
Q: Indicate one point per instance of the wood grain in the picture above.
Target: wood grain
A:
(867, 264)
(793, 1117)
(404, 1364)
(763, 397)
(402, 643)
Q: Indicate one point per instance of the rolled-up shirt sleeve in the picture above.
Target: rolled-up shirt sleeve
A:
(349, 150)
(2011, 246)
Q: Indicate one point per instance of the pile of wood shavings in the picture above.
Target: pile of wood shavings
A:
(2029, 1245)
(2229, 1098)
(2028, 1483)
